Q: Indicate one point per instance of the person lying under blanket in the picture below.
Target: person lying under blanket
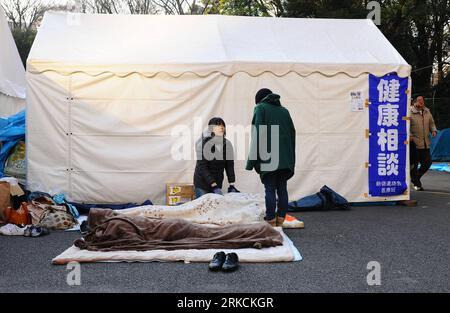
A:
(112, 231)
(232, 208)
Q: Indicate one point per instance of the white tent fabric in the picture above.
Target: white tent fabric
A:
(12, 72)
(123, 44)
(10, 105)
(107, 94)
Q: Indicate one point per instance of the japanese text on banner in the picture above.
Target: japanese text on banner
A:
(387, 150)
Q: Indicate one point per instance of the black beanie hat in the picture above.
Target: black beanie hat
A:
(261, 94)
(216, 121)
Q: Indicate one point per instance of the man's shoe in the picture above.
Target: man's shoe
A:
(417, 188)
(280, 221)
(231, 262)
(12, 230)
(217, 261)
(35, 231)
(292, 222)
(273, 222)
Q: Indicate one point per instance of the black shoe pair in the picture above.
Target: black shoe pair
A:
(35, 231)
(225, 262)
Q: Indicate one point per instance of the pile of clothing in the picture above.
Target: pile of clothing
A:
(34, 214)
(45, 212)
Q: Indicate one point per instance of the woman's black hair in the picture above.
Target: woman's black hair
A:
(217, 121)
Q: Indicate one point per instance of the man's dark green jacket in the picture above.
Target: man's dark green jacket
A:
(267, 114)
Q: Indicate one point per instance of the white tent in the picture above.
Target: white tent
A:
(108, 92)
(12, 73)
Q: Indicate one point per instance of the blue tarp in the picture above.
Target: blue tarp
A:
(441, 167)
(12, 130)
(440, 146)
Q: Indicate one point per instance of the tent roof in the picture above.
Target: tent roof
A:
(12, 72)
(175, 44)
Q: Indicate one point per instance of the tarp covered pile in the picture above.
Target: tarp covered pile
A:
(12, 130)
(440, 146)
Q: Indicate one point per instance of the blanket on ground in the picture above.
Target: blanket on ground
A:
(232, 208)
(285, 253)
(113, 231)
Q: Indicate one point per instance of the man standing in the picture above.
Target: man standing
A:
(272, 152)
(422, 123)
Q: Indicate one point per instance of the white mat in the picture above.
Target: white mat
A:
(285, 253)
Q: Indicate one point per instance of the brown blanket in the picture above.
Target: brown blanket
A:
(111, 231)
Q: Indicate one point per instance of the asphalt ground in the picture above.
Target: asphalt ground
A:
(411, 244)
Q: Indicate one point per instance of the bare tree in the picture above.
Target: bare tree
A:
(119, 6)
(24, 14)
(274, 7)
(100, 6)
(141, 7)
(181, 6)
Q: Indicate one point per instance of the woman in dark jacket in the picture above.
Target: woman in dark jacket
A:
(214, 156)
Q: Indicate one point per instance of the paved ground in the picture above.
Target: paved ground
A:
(411, 244)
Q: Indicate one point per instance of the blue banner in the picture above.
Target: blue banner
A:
(388, 134)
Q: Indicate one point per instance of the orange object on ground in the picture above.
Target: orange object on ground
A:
(19, 216)
(292, 222)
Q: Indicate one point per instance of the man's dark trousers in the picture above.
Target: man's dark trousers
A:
(275, 184)
(424, 160)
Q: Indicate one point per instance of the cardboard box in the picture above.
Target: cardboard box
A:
(15, 189)
(179, 193)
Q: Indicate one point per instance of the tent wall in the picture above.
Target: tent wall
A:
(106, 138)
(12, 72)
(10, 105)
